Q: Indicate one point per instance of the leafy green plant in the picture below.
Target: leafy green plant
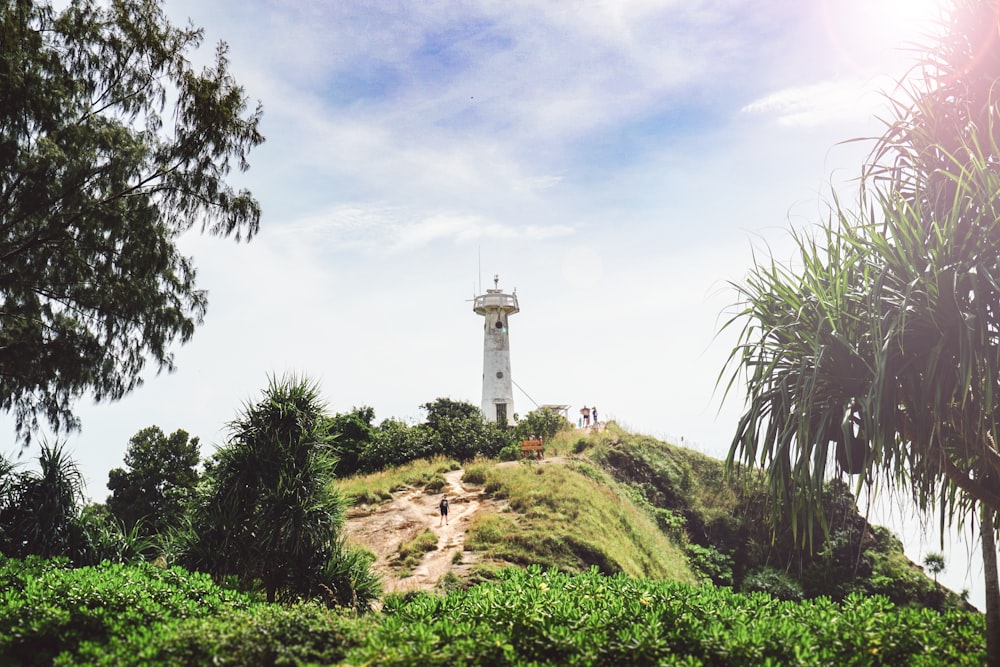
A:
(268, 512)
(709, 564)
(511, 452)
(353, 432)
(531, 617)
(49, 609)
(40, 509)
(463, 432)
(141, 615)
(394, 443)
(775, 583)
(541, 423)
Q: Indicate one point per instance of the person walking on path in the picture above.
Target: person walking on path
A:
(443, 506)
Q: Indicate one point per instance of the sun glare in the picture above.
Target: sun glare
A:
(868, 35)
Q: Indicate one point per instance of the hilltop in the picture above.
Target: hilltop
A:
(620, 503)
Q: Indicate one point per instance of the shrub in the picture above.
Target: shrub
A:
(511, 452)
(709, 564)
(49, 610)
(531, 617)
(475, 474)
(775, 583)
(394, 443)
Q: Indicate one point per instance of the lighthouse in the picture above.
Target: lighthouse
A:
(498, 387)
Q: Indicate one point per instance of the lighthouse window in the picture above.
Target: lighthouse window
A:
(499, 375)
(499, 324)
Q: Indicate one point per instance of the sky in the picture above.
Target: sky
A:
(619, 163)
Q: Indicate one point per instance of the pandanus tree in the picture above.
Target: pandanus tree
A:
(40, 509)
(268, 512)
(877, 350)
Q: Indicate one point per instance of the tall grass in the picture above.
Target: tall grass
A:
(376, 487)
(568, 517)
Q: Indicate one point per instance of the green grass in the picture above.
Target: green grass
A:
(629, 503)
(375, 487)
(412, 552)
(568, 517)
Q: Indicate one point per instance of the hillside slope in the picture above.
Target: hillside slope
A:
(623, 503)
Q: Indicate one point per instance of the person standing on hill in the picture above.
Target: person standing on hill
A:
(443, 506)
(593, 416)
(585, 411)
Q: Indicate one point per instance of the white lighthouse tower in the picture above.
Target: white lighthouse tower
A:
(498, 388)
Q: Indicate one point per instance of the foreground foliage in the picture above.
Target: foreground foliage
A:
(143, 615)
(534, 617)
(268, 512)
(117, 615)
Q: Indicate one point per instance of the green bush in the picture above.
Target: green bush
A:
(50, 610)
(141, 615)
(709, 564)
(531, 617)
(542, 423)
(395, 443)
(261, 636)
(775, 583)
(511, 452)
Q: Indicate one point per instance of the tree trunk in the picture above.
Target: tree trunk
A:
(992, 589)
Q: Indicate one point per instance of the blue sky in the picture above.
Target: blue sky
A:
(616, 162)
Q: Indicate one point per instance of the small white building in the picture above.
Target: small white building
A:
(498, 387)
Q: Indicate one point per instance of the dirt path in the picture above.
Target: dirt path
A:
(383, 528)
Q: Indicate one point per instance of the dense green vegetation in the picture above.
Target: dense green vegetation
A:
(617, 545)
(152, 491)
(731, 535)
(453, 429)
(142, 615)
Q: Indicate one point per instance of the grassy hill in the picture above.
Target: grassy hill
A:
(631, 504)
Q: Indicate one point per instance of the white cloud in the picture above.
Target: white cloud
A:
(385, 230)
(846, 101)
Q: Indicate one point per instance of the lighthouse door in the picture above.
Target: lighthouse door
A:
(502, 414)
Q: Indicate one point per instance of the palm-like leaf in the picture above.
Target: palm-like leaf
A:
(269, 511)
(890, 328)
